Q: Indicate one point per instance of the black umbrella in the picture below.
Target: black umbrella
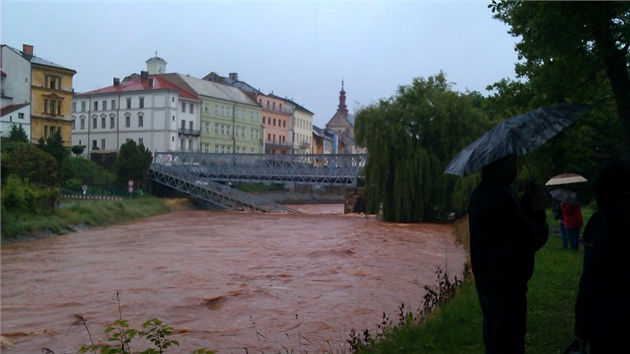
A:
(519, 135)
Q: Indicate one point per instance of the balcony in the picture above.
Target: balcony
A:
(192, 132)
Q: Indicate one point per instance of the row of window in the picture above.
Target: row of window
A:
(273, 122)
(103, 105)
(271, 138)
(112, 122)
(52, 107)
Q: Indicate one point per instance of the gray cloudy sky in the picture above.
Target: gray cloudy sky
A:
(297, 49)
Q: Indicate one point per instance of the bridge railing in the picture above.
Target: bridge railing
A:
(324, 169)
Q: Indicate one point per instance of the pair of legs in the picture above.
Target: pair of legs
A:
(504, 308)
(573, 236)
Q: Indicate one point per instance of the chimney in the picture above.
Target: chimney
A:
(27, 49)
(150, 82)
(144, 75)
(234, 76)
(116, 81)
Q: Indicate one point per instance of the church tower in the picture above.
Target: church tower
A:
(156, 65)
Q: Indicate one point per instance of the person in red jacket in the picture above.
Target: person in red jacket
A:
(572, 219)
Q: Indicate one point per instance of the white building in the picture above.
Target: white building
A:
(18, 114)
(302, 126)
(145, 108)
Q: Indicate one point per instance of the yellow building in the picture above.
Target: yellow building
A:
(45, 85)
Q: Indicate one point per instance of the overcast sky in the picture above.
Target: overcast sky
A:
(296, 49)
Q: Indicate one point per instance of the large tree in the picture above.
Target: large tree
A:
(132, 163)
(410, 138)
(570, 49)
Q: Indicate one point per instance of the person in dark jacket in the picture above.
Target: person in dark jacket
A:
(503, 239)
(602, 309)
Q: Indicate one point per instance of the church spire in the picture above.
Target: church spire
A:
(342, 108)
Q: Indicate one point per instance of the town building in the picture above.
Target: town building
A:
(45, 86)
(145, 108)
(301, 127)
(230, 119)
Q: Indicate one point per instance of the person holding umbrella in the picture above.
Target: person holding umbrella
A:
(505, 232)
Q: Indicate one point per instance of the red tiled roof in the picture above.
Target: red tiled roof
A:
(13, 107)
(137, 84)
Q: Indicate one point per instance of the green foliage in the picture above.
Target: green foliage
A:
(77, 149)
(68, 170)
(576, 52)
(410, 138)
(21, 199)
(17, 134)
(32, 164)
(54, 146)
(133, 162)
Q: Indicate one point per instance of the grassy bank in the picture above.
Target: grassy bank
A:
(77, 214)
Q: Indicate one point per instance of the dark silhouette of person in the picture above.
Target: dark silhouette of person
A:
(602, 308)
(504, 235)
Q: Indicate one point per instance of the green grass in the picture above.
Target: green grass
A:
(79, 212)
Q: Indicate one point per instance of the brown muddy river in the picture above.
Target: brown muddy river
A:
(225, 280)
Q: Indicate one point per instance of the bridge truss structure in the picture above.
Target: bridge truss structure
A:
(204, 175)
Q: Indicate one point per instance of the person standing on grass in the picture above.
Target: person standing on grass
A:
(572, 220)
(503, 240)
(602, 309)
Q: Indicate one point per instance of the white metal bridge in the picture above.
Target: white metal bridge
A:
(203, 175)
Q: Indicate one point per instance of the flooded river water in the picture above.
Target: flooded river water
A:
(225, 280)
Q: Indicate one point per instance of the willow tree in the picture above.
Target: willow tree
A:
(410, 138)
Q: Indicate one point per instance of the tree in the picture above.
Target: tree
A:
(78, 150)
(18, 134)
(410, 138)
(54, 146)
(132, 163)
(571, 49)
(32, 164)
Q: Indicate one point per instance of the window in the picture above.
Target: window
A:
(74, 107)
(21, 115)
(173, 118)
(93, 123)
(73, 124)
(207, 127)
(141, 102)
(102, 122)
(216, 128)
(183, 107)
(96, 105)
(192, 109)
(264, 119)
(190, 125)
(54, 82)
(141, 141)
(112, 122)
(190, 145)
(113, 105)
(274, 122)
(102, 144)
(82, 123)
(82, 106)
(173, 99)
(127, 121)
(183, 125)
(140, 121)
(128, 103)
(104, 105)
(94, 144)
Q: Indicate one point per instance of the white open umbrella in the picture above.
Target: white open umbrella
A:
(565, 178)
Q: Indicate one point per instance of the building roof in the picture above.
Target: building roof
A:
(211, 89)
(138, 84)
(37, 60)
(300, 107)
(12, 108)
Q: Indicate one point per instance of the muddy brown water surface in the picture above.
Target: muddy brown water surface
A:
(225, 280)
